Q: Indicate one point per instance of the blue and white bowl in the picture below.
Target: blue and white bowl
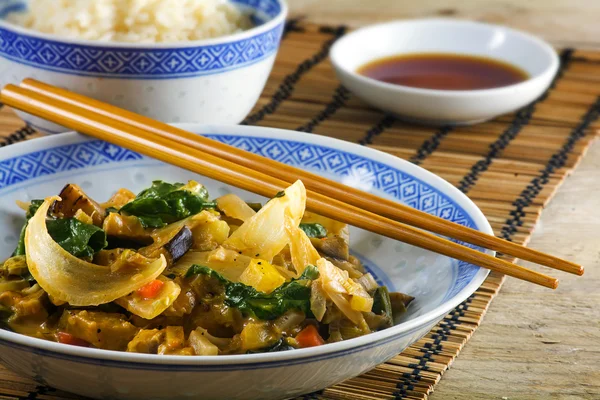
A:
(208, 81)
(41, 167)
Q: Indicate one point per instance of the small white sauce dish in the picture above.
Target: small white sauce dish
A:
(214, 80)
(444, 107)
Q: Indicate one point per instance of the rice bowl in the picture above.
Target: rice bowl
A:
(216, 80)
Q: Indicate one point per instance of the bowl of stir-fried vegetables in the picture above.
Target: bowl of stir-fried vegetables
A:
(175, 285)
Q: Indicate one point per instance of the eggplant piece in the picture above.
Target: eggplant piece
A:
(385, 306)
(173, 249)
(74, 199)
(180, 244)
(399, 302)
(332, 246)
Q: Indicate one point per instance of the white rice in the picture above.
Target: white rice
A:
(139, 21)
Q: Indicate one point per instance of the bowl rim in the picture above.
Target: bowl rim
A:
(238, 36)
(550, 70)
(261, 360)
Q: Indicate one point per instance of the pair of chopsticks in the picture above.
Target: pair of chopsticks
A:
(267, 177)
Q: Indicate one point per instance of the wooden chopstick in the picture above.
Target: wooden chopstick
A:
(290, 174)
(175, 153)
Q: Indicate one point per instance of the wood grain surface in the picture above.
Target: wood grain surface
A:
(533, 343)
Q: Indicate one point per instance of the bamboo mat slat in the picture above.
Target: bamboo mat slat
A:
(509, 167)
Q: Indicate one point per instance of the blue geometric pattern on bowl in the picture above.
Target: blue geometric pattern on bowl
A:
(143, 63)
(401, 186)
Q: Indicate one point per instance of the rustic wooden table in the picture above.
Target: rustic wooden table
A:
(533, 343)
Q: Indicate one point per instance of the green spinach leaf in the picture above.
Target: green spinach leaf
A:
(76, 237)
(33, 207)
(164, 203)
(291, 295)
(314, 230)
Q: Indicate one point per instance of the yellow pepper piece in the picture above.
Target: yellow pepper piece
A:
(262, 276)
(256, 335)
(360, 303)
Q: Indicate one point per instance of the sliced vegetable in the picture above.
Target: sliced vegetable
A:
(210, 232)
(344, 306)
(314, 230)
(262, 276)
(302, 252)
(291, 295)
(255, 206)
(150, 290)
(337, 281)
(81, 216)
(81, 240)
(15, 266)
(377, 321)
(349, 297)
(309, 337)
(201, 344)
(221, 343)
(400, 302)
(109, 331)
(368, 282)
(234, 207)
(27, 308)
(184, 303)
(175, 239)
(382, 304)
(174, 337)
(126, 227)
(257, 335)
(75, 281)
(332, 227)
(289, 321)
(14, 285)
(318, 301)
(264, 235)
(180, 244)
(152, 299)
(31, 210)
(164, 203)
(146, 341)
(333, 246)
(350, 331)
(350, 268)
(67, 338)
(226, 262)
(174, 343)
(119, 199)
(74, 199)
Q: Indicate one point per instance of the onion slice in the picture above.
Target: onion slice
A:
(234, 207)
(72, 280)
(302, 251)
(264, 234)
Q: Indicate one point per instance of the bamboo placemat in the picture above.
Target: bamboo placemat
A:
(509, 167)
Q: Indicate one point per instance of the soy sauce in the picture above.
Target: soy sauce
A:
(444, 71)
